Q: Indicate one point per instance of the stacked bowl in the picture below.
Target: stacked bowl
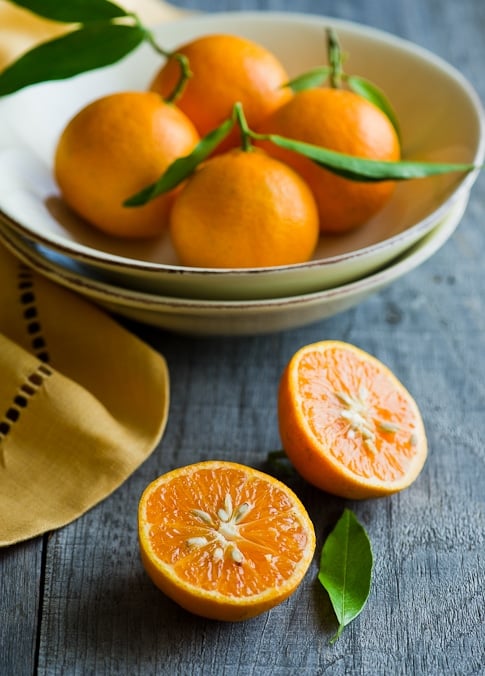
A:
(441, 119)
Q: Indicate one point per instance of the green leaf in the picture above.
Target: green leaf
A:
(73, 11)
(93, 46)
(375, 95)
(346, 569)
(360, 169)
(279, 464)
(312, 78)
(182, 167)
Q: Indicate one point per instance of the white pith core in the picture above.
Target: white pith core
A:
(355, 411)
(222, 529)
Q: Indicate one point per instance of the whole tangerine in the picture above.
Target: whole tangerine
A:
(244, 209)
(226, 69)
(114, 147)
(340, 120)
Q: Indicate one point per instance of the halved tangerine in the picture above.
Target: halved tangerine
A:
(347, 424)
(224, 540)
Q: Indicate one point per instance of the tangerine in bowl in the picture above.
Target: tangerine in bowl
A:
(440, 116)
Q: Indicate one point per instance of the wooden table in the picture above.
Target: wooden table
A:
(78, 602)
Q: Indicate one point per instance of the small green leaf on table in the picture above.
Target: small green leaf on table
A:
(279, 465)
(346, 569)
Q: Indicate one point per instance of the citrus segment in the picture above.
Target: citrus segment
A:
(347, 424)
(339, 120)
(223, 540)
(242, 210)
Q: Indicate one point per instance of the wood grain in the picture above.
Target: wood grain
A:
(21, 594)
(95, 612)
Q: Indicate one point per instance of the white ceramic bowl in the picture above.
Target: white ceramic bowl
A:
(441, 119)
(218, 317)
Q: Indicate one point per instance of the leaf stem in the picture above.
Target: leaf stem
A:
(182, 60)
(335, 638)
(334, 59)
(185, 75)
(152, 42)
(246, 133)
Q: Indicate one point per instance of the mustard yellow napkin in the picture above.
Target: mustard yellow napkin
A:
(82, 401)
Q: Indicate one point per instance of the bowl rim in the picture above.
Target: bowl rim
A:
(418, 253)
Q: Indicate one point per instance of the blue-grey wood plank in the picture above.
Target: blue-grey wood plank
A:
(20, 594)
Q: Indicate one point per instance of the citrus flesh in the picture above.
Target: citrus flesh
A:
(347, 424)
(223, 540)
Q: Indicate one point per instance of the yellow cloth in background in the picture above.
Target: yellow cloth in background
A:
(82, 401)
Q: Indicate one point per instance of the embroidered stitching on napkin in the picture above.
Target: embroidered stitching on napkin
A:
(26, 390)
(82, 403)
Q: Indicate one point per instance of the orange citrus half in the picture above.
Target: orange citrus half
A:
(223, 540)
(347, 424)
